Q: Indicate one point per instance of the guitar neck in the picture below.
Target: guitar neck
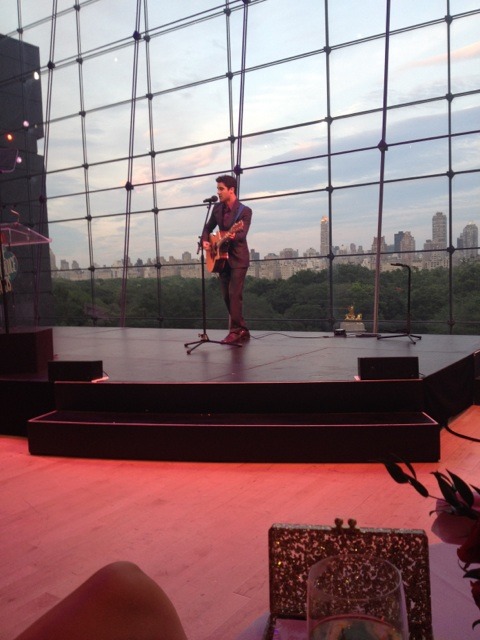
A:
(222, 240)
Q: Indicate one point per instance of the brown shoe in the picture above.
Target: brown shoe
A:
(244, 334)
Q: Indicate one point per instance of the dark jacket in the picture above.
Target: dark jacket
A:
(238, 252)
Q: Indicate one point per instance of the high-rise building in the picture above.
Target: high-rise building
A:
(270, 267)
(407, 247)
(439, 230)
(324, 236)
(383, 248)
(470, 241)
(254, 268)
(324, 240)
(397, 241)
(288, 263)
(436, 254)
(288, 253)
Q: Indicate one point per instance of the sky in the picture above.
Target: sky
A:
(284, 113)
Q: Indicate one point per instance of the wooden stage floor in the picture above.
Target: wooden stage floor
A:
(159, 355)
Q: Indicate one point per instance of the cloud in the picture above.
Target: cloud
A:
(468, 52)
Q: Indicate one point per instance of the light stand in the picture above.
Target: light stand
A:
(412, 337)
(204, 336)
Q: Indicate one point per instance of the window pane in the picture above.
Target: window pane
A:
(465, 54)
(274, 97)
(40, 36)
(283, 31)
(285, 145)
(178, 57)
(64, 135)
(108, 133)
(409, 12)
(70, 240)
(417, 122)
(350, 206)
(354, 20)
(188, 117)
(105, 22)
(105, 202)
(66, 46)
(466, 194)
(417, 65)
(409, 206)
(357, 77)
(355, 168)
(9, 17)
(421, 158)
(108, 78)
(66, 207)
(356, 132)
(65, 103)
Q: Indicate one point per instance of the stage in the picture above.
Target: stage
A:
(159, 355)
(212, 402)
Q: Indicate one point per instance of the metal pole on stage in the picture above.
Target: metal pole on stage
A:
(407, 334)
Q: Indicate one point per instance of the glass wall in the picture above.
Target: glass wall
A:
(353, 129)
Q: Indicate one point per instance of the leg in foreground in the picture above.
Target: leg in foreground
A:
(119, 602)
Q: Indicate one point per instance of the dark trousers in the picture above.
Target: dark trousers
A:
(231, 282)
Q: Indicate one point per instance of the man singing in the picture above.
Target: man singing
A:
(229, 211)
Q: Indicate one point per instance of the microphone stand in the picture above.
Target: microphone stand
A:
(204, 336)
(412, 337)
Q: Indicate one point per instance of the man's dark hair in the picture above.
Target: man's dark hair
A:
(228, 181)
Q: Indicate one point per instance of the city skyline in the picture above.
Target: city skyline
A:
(467, 242)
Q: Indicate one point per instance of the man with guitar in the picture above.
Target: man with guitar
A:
(228, 254)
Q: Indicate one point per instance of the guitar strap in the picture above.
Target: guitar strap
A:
(241, 207)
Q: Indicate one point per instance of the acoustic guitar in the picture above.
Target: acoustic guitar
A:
(216, 256)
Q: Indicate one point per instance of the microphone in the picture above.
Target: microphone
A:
(212, 199)
(398, 264)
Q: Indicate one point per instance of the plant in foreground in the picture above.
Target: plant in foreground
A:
(457, 517)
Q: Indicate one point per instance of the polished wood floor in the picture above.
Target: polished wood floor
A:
(200, 529)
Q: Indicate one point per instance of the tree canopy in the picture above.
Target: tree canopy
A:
(299, 303)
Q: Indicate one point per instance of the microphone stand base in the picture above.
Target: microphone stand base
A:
(204, 338)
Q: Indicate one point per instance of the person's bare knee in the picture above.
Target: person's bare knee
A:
(118, 602)
(119, 580)
(134, 599)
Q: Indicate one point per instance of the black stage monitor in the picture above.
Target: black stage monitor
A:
(388, 368)
(73, 370)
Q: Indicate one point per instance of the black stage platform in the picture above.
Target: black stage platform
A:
(159, 355)
(219, 396)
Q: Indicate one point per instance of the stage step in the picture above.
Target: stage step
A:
(354, 421)
(237, 437)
